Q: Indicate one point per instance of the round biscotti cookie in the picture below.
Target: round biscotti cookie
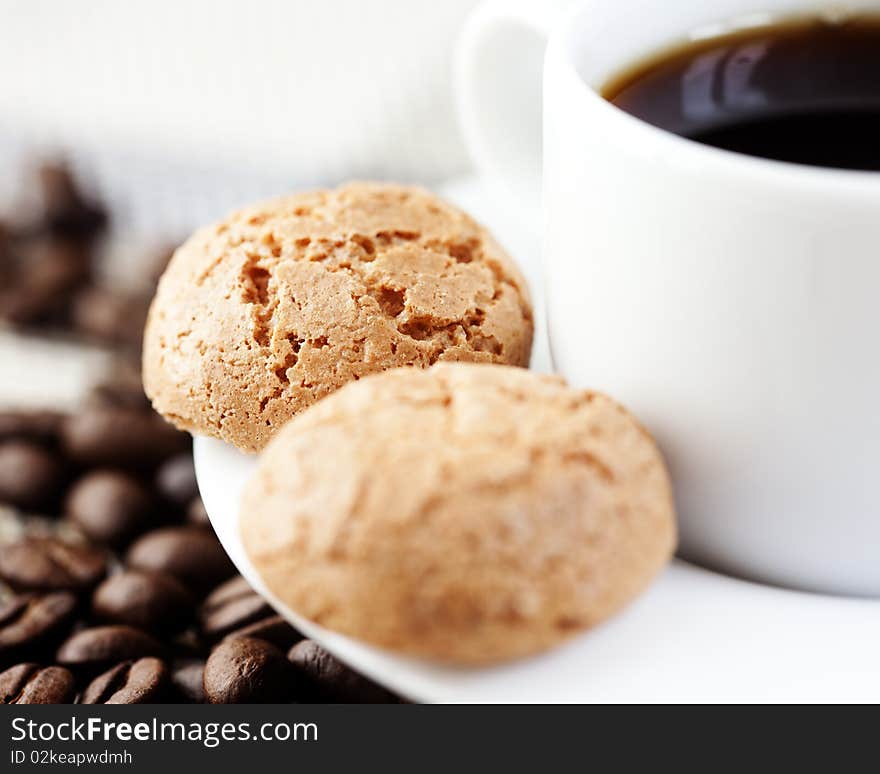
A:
(466, 513)
(278, 305)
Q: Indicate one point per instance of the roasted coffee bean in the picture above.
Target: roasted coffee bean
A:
(33, 684)
(151, 601)
(65, 210)
(99, 647)
(49, 273)
(121, 438)
(109, 506)
(8, 280)
(30, 475)
(273, 629)
(247, 671)
(187, 678)
(25, 306)
(323, 678)
(57, 265)
(32, 623)
(145, 681)
(30, 425)
(121, 390)
(187, 644)
(192, 555)
(48, 564)
(196, 514)
(10, 303)
(231, 606)
(6, 251)
(176, 480)
(110, 316)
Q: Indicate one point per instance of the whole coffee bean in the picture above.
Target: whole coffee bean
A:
(30, 425)
(323, 678)
(57, 265)
(120, 438)
(30, 475)
(273, 629)
(176, 480)
(187, 678)
(65, 210)
(109, 506)
(48, 564)
(196, 514)
(231, 606)
(187, 644)
(145, 681)
(110, 316)
(102, 646)
(154, 602)
(247, 671)
(122, 389)
(24, 306)
(31, 623)
(51, 270)
(194, 556)
(33, 684)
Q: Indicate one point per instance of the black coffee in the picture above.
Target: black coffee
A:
(804, 91)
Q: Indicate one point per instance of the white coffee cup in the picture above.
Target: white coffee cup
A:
(733, 303)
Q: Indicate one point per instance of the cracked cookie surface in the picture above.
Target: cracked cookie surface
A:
(264, 313)
(466, 513)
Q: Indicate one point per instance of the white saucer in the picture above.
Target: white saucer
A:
(694, 636)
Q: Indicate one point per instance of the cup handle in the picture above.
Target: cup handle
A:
(498, 68)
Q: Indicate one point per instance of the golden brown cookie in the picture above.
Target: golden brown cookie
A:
(261, 315)
(467, 513)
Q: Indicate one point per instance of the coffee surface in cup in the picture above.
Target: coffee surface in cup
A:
(802, 90)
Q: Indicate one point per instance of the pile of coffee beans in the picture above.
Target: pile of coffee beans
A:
(119, 591)
(113, 587)
(49, 255)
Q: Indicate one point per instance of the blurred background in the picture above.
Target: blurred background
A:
(293, 91)
(151, 118)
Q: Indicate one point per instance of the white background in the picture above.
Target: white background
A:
(320, 89)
